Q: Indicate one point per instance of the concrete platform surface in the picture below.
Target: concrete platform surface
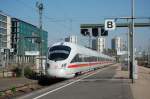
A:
(141, 87)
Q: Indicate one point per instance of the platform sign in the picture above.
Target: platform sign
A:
(110, 25)
(32, 53)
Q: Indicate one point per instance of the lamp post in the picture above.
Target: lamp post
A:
(40, 7)
(133, 66)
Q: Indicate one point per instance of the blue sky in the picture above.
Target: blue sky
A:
(63, 17)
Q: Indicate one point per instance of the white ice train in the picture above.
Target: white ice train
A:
(65, 60)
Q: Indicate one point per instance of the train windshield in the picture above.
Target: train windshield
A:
(58, 53)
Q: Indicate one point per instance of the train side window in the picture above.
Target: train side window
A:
(98, 58)
(90, 59)
(81, 58)
(101, 59)
(78, 58)
(86, 59)
(75, 59)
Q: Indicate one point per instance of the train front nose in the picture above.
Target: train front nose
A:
(55, 70)
(58, 73)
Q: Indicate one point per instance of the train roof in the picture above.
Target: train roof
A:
(82, 50)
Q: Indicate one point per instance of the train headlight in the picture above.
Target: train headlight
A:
(64, 65)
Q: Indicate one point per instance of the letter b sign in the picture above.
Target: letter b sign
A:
(110, 25)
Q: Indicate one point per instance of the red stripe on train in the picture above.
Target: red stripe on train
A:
(84, 65)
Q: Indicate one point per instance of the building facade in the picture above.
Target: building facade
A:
(5, 37)
(17, 38)
(26, 38)
(72, 39)
(117, 44)
(99, 44)
(5, 31)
